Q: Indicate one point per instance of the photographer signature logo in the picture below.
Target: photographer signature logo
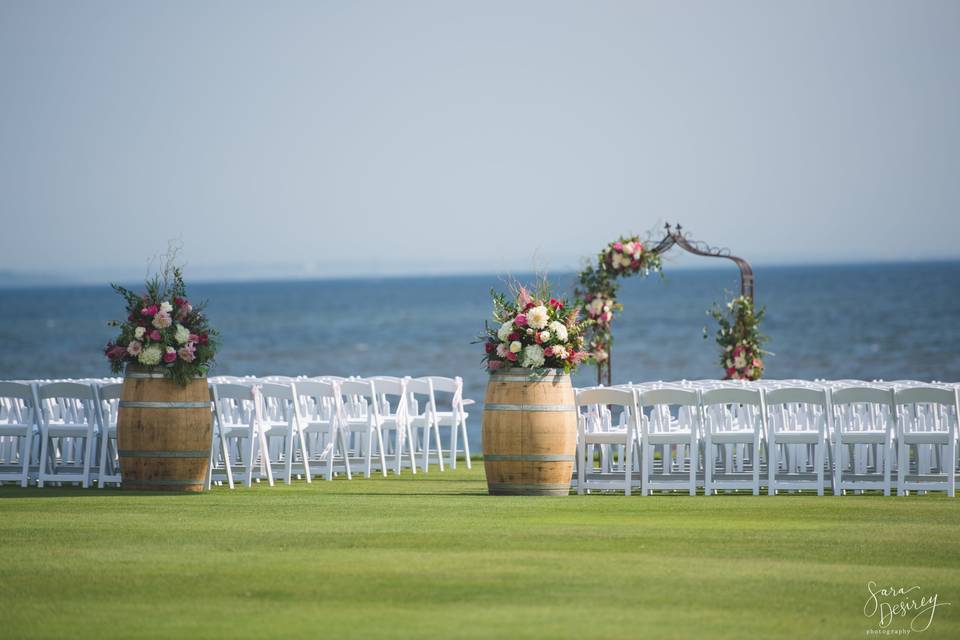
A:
(910, 606)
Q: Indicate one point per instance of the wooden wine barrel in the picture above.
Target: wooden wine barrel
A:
(163, 432)
(529, 432)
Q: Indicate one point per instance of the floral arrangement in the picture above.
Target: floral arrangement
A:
(534, 332)
(740, 339)
(163, 329)
(597, 290)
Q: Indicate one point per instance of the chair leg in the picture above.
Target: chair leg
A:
(453, 447)
(628, 466)
(466, 442)
(44, 438)
(707, 464)
(772, 463)
(25, 451)
(436, 440)
(902, 462)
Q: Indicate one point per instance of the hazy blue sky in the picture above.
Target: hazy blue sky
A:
(322, 138)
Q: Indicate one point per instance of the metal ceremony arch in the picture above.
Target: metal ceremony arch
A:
(675, 237)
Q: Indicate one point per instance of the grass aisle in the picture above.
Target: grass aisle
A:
(433, 556)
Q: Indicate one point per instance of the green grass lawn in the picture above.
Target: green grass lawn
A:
(433, 556)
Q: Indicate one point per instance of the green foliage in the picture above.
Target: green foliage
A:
(739, 339)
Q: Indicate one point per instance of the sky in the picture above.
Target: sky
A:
(315, 139)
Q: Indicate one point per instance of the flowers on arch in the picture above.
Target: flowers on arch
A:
(627, 256)
(597, 289)
(163, 329)
(739, 339)
(533, 331)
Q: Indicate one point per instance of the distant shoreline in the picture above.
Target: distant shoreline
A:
(18, 280)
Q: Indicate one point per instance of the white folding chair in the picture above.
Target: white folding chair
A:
(797, 423)
(108, 402)
(243, 447)
(927, 427)
(279, 419)
(358, 422)
(734, 423)
(596, 411)
(320, 414)
(671, 421)
(455, 419)
(391, 413)
(18, 425)
(422, 415)
(863, 427)
(68, 424)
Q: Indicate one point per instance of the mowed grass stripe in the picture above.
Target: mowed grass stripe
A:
(433, 556)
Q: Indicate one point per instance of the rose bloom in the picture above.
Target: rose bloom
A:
(155, 335)
(134, 348)
(170, 355)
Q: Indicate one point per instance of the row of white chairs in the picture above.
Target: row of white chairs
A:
(65, 430)
(792, 435)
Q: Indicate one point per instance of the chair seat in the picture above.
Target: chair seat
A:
(673, 437)
(733, 437)
(797, 437)
(863, 437)
(929, 437)
(606, 437)
(15, 430)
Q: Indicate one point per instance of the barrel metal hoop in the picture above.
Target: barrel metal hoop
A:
(492, 406)
(542, 486)
(130, 453)
(142, 375)
(166, 483)
(529, 457)
(527, 378)
(146, 404)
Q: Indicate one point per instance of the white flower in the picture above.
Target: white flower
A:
(537, 317)
(740, 362)
(529, 332)
(505, 330)
(596, 306)
(628, 248)
(502, 350)
(515, 347)
(559, 330)
(559, 352)
(729, 363)
(150, 356)
(532, 356)
(182, 334)
(162, 320)
(166, 307)
(544, 336)
(138, 333)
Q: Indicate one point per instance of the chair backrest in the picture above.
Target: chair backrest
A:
(733, 409)
(109, 405)
(670, 409)
(797, 408)
(928, 409)
(862, 407)
(357, 398)
(602, 409)
(17, 404)
(317, 400)
(278, 401)
(234, 403)
(67, 403)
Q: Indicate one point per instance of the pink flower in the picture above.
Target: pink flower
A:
(618, 246)
(134, 348)
(494, 364)
(170, 355)
(180, 302)
(757, 362)
(154, 335)
(731, 371)
(193, 338)
(512, 357)
(548, 351)
(184, 311)
(520, 320)
(150, 311)
(523, 298)
(187, 353)
(490, 347)
(556, 304)
(514, 336)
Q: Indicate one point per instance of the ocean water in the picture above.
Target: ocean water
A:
(887, 321)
